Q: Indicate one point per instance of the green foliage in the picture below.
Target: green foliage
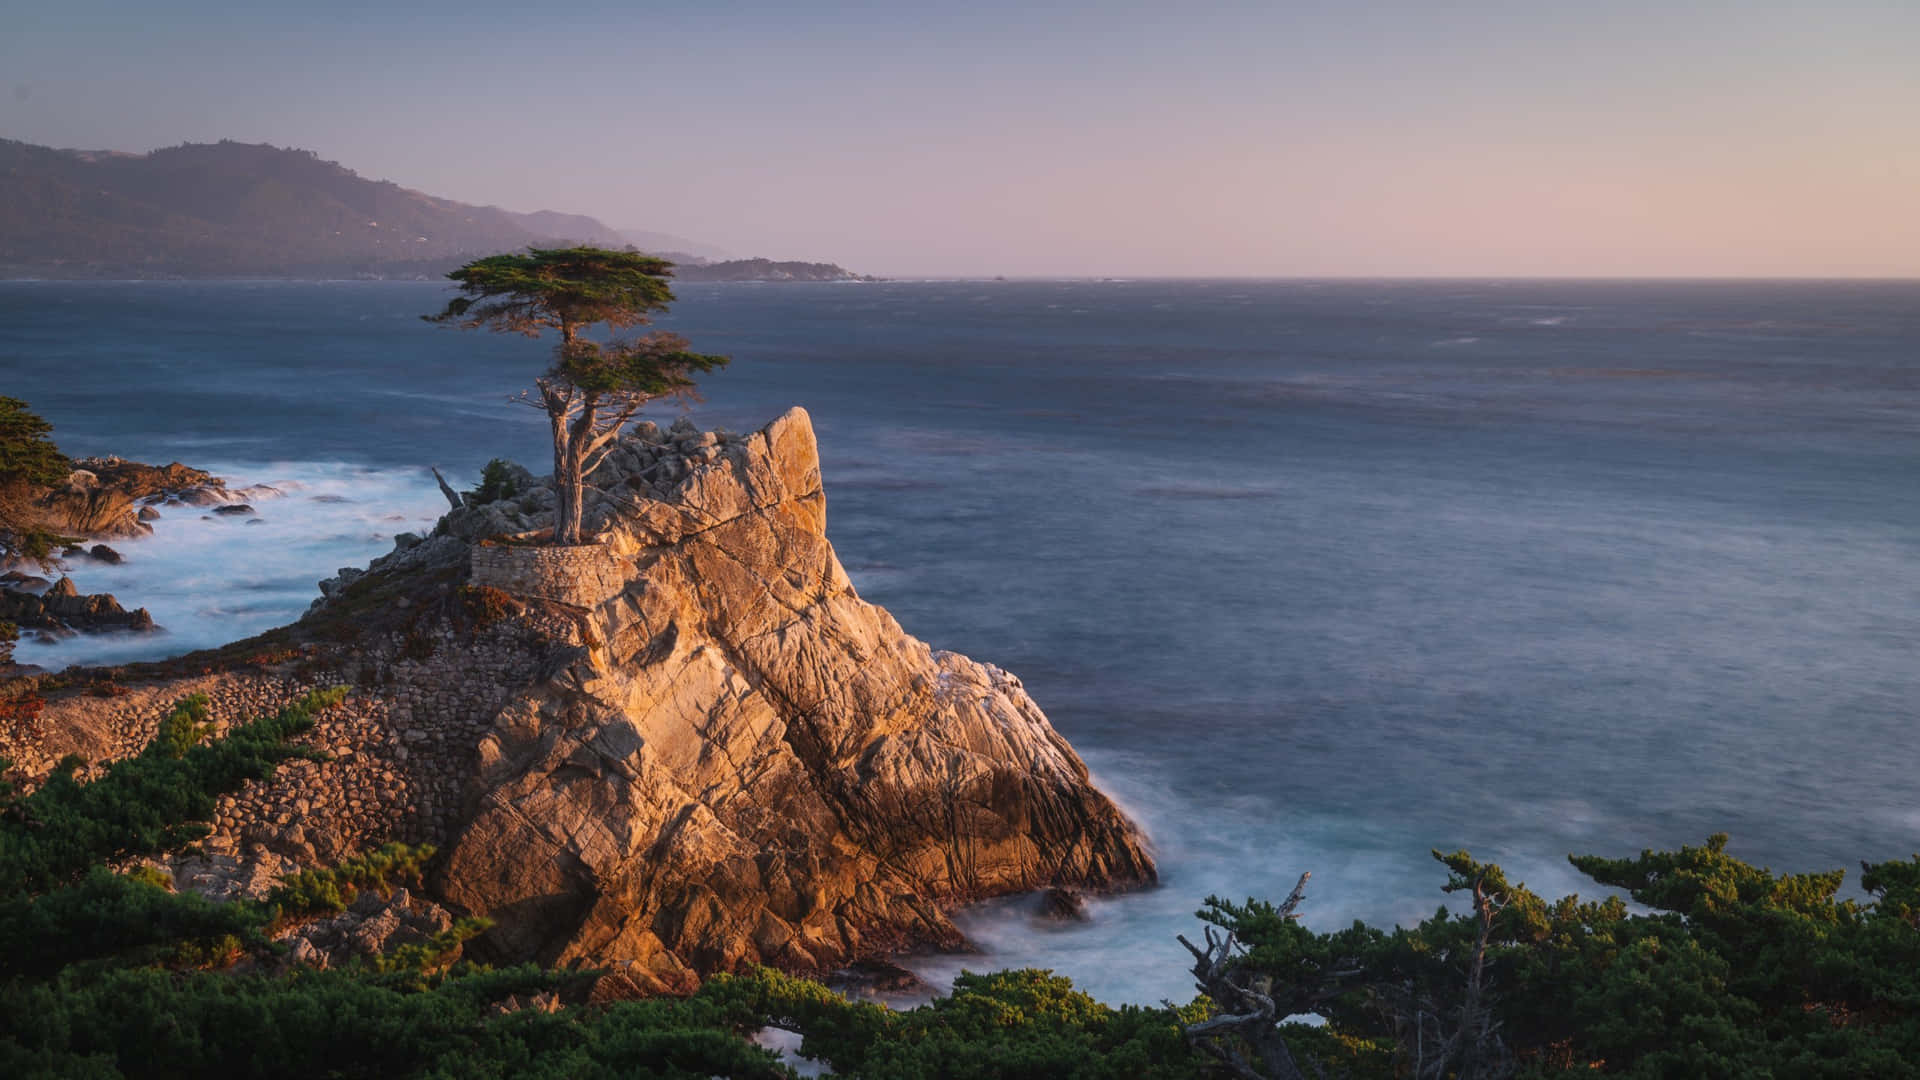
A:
(558, 289)
(184, 727)
(318, 892)
(27, 455)
(119, 919)
(322, 1024)
(103, 974)
(433, 954)
(27, 541)
(144, 805)
(654, 366)
(593, 387)
(29, 463)
(1004, 1025)
(1735, 972)
(496, 483)
(568, 290)
(1729, 971)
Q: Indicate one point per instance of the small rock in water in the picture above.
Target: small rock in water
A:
(25, 582)
(1063, 905)
(107, 555)
(256, 521)
(201, 496)
(235, 508)
(148, 513)
(878, 977)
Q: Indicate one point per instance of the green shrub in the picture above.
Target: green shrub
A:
(496, 483)
(316, 892)
(1007, 1024)
(151, 803)
(185, 726)
(1732, 971)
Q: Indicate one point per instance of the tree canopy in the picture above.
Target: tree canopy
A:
(27, 455)
(593, 387)
(29, 462)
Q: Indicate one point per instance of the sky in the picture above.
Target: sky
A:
(1340, 138)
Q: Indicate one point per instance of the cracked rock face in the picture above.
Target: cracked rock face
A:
(683, 748)
(746, 762)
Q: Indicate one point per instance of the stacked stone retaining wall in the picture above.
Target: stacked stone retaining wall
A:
(582, 574)
(401, 749)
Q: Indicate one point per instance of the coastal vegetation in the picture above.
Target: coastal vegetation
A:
(29, 463)
(593, 388)
(1725, 970)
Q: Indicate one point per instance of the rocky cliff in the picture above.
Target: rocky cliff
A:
(686, 746)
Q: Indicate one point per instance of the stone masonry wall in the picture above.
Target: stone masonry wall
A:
(582, 575)
(401, 748)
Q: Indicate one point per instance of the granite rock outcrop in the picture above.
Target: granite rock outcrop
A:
(103, 498)
(61, 610)
(684, 747)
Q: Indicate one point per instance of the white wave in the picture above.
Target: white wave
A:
(211, 579)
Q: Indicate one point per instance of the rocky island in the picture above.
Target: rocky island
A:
(683, 747)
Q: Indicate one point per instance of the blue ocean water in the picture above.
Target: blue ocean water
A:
(1316, 575)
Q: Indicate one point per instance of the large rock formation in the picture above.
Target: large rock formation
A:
(752, 763)
(110, 498)
(103, 497)
(61, 610)
(686, 746)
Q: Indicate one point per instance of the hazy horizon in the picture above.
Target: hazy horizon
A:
(1386, 140)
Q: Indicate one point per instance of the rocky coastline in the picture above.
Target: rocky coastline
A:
(103, 498)
(686, 747)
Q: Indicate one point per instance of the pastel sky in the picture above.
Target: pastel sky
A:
(1345, 137)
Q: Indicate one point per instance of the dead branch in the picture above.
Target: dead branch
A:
(446, 489)
(1245, 1015)
(1465, 1045)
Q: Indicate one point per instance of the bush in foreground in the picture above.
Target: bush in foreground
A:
(1731, 971)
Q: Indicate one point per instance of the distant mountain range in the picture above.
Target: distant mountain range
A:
(234, 209)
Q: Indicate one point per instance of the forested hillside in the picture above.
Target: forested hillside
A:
(243, 210)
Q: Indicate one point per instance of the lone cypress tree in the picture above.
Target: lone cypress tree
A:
(593, 387)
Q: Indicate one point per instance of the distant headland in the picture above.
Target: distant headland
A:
(231, 209)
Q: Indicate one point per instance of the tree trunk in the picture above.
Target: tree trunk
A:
(566, 484)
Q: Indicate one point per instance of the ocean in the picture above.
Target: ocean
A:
(1317, 576)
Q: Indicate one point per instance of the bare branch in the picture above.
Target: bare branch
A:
(445, 489)
(1245, 1015)
(1293, 899)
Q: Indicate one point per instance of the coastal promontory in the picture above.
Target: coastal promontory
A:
(687, 745)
